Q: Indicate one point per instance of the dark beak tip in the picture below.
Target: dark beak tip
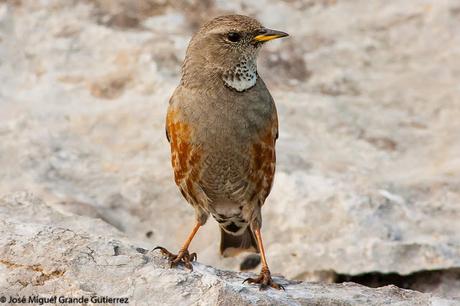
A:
(276, 32)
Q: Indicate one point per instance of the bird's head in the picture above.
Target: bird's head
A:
(228, 45)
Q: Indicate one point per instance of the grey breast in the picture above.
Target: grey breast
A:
(231, 124)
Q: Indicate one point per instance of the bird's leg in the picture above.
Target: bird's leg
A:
(264, 279)
(183, 256)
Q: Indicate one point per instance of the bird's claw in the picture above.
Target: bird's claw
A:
(264, 280)
(183, 257)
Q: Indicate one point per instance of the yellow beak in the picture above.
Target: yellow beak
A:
(267, 34)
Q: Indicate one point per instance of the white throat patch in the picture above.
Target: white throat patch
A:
(243, 76)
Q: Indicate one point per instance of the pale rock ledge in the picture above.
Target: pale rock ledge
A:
(45, 252)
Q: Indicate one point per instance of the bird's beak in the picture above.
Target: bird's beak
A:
(267, 34)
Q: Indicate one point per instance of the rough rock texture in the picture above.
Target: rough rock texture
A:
(45, 253)
(369, 149)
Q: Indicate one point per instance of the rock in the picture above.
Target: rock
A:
(368, 156)
(46, 253)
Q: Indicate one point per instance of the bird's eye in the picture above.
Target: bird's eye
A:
(233, 36)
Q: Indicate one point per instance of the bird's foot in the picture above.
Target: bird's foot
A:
(183, 257)
(265, 280)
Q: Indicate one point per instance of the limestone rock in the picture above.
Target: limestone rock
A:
(46, 253)
(368, 98)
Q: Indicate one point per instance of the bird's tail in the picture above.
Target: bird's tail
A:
(231, 245)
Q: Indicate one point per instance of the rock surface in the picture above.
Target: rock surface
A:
(368, 98)
(46, 253)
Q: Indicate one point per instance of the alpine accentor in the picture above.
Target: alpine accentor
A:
(222, 126)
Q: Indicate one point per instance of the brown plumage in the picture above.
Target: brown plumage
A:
(222, 126)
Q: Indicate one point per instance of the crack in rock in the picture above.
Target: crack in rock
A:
(37, 281)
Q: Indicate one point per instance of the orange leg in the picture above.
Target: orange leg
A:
(264, 278)
(183, 255)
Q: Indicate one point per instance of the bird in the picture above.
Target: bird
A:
(222, 126)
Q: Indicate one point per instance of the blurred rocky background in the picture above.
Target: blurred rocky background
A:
(367, 187)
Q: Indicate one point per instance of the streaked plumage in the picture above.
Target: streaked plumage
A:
(222, 126)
